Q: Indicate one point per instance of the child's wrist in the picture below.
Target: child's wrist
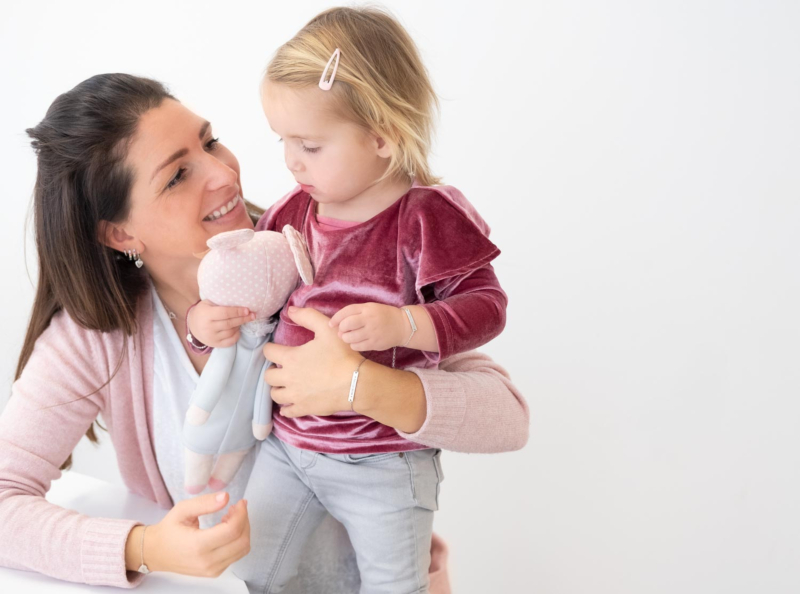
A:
(198, 347)
(401, 330)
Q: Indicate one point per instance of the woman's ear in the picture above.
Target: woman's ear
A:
(115, 237)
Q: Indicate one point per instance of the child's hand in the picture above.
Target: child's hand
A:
(371, 326)
(217, 326)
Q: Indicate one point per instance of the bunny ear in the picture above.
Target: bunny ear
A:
(230, 239)
(300, 252)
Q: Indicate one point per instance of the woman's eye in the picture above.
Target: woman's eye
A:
(177, 179)
(212, 144)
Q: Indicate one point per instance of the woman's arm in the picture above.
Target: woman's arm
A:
(52, 405)
(48, 413)
(468, 405)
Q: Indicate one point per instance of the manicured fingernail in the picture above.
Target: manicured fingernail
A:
(221, 496)
(292, 309)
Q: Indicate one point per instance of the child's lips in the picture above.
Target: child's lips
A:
(306, 188)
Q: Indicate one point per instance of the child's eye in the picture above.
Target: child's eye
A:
(309, 149)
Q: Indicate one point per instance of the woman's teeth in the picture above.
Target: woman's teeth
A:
(223, 211)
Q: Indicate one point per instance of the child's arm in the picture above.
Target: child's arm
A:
(377, 327)
(469, 310)
(216, 325)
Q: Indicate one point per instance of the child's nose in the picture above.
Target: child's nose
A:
(293, 161)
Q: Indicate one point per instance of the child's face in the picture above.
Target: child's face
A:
(333, 159)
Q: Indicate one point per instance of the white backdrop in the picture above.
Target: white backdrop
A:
(638, 162)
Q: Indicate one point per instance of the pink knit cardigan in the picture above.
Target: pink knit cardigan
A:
(49, 412)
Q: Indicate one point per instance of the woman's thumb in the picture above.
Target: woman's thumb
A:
(209, 503)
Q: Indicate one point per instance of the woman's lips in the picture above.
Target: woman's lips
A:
(227, 210)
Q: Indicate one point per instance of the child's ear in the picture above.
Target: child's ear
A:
(384, 147)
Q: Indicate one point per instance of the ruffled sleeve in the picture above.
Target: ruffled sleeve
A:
(448, 243)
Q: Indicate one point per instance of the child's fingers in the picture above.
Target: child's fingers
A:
(234, 322)
(351, 323)
(223, 313)
(355, 336)
(349, 310)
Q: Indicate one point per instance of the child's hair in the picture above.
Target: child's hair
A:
(381, 84)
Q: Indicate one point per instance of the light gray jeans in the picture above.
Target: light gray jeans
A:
(385, 501)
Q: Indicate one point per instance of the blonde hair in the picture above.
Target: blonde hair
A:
(381, 84)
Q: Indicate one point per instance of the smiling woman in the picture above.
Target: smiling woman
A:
(123, 167)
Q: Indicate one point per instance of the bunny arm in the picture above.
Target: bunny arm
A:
(213, 379)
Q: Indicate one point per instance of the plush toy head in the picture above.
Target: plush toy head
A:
(256, 270)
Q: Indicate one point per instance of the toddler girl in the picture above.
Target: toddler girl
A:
(403, 267)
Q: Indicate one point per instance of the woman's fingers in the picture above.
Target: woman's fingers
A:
(227, 532)
(309, 318)
(188, 510)
(364, 345)
(281, 395)
(277, 353)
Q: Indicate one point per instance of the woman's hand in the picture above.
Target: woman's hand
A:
(312, 379)
(177, 544)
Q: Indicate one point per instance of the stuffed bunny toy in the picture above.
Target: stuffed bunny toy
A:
(231, 408)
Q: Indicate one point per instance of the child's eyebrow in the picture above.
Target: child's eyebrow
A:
(299, 136)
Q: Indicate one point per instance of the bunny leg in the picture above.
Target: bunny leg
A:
(198, 469)
(225, 469)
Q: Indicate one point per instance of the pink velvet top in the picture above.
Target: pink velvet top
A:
(429, 248)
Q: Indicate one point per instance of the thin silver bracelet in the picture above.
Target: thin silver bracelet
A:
(353, 383)
(413, 325)
(143, 567)
(413, 331)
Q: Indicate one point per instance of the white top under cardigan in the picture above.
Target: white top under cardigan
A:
(329, 563)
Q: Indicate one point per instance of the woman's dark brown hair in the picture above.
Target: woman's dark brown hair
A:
(81, 180)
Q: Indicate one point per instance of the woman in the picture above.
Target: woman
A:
(123, 168)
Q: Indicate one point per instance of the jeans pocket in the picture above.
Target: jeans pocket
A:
(426, 473)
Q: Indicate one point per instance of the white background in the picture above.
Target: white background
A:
(638, 162)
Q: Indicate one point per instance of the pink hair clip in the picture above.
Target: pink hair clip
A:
(326, 85)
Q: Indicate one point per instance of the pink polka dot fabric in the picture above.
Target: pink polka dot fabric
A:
(244, 268)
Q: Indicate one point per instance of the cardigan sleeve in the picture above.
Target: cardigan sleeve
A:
(52, 405)
(472, 407)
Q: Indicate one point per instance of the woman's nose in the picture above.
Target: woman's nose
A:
(221, 175)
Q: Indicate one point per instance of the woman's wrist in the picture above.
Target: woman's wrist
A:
(392, 397)
(133, 548)
(139, 548)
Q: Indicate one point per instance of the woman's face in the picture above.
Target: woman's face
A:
(186, 185)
